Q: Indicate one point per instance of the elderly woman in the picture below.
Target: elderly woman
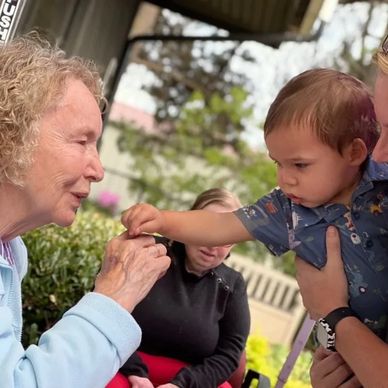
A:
(50, 122)
(360, 352)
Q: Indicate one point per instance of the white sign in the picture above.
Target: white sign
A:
(10, 11)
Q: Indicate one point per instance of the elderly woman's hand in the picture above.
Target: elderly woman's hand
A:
(329, 370)
(130, 269)
(326, 289)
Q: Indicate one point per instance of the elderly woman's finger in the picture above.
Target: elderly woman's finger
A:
(157, 250)
(130, 269)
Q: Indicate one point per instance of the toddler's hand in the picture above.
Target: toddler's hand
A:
(142, 218)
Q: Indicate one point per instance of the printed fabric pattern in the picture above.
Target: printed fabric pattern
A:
(283, 225)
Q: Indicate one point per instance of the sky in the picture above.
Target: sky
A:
(272, 67)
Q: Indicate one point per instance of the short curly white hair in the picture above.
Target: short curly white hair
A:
(33, 74)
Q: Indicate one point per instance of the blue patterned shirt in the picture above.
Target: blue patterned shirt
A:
(283, 225)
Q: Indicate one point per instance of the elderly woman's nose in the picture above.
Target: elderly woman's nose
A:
(95, 169)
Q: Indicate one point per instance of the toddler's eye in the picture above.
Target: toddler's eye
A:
(301, 165)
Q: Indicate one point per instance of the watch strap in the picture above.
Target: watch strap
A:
(337, 315)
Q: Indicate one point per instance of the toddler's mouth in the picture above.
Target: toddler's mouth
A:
(294, 198)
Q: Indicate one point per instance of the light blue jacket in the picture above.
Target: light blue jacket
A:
(83, 350)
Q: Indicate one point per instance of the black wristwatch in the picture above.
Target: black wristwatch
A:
(326, 326)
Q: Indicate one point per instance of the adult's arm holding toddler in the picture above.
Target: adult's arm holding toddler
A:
(325, 290)
(197, 227)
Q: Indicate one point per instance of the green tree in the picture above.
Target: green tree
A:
(171, 170)
(356, 60)
(202, 111)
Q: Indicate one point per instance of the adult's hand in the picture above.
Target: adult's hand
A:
(326, 289)
(130, 269)
(140, 382)
(329, 370)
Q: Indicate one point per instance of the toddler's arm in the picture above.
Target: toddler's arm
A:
(197, 227)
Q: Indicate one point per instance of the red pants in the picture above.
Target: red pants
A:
(161, 370)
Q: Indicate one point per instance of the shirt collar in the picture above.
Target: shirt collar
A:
(373, 172)
(303, 217)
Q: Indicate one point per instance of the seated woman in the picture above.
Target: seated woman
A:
(195, 320)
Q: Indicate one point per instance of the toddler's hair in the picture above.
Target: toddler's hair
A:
(336, 106)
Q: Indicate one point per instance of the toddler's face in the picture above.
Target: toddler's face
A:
(309, 172)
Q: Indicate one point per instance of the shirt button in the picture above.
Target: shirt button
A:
(356, 215)
(211, 273)
(219, 280)
(226, 288)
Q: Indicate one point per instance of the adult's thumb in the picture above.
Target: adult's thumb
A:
(333, 246)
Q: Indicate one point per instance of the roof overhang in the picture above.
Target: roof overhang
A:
(255, 17)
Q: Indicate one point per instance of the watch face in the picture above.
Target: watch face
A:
(325, 335)
(321, 335)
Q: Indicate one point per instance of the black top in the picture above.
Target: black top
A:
(201, 320)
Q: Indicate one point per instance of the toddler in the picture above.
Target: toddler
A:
(320, 130)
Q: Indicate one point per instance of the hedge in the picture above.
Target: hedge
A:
(63, 263)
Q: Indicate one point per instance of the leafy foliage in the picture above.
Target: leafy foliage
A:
(268, 360)
(63, 263)
(170, 171)
(356, 59)
(185, 67)
(202, 111)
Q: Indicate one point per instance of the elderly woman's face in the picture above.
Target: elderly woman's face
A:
(380, 153)
(203, 259)
(66, 159)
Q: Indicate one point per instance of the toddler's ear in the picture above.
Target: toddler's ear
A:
(357, 152)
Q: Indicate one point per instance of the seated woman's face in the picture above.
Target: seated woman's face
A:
(202, 259)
